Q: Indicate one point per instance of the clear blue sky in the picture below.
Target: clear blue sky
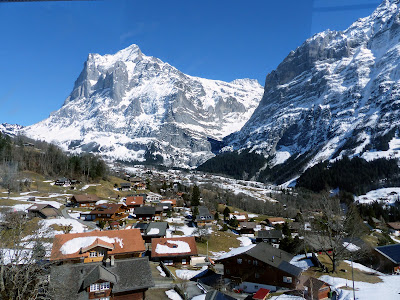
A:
(44, 44)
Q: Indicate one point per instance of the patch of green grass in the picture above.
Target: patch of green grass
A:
(358, 274)
(219, 241)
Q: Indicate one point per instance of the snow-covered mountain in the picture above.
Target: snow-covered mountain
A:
(337, 94)
(133, 107)
(10, 129)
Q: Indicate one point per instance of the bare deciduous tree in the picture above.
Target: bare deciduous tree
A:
(333, 230)
(23, 270)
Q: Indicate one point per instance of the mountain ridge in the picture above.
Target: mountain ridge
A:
(132, 107)
(335, 95)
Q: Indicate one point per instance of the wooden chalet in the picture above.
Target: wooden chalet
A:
(394, 227)
(260, 266)
(144, 213)
(43, 211)
(161, 210)
(269, 236)
(241, 217)
(134, 201)
(114, 279)
(125, 186)
(155, 230)
(84, 200)
(275, 221)
(169, 201)
(204, 218)
(108, 212)
(97, 246)
(153, 197)
(177, 250)
(246, 227)
(316, 289)
(388, 258)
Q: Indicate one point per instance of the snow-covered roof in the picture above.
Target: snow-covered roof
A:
(176, 246)
(236, 251)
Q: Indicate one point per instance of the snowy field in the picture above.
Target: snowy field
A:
(388, 289)
(386, 196)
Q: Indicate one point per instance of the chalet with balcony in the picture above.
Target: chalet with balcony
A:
(144, 213)
(134, 201)
(128, 278)
(260, 266)
(204, 218)
(177, 250)
(43, 211)
(94, 246)
(247, 227)
(84, 200)
(269, 236)
(108, 212)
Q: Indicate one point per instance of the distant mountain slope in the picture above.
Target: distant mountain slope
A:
(10, 129)
(133, 107)
(337, 94)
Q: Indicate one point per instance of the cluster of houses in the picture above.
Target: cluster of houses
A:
(138, 206)
(115, 263)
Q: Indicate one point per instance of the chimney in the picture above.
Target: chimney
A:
(112, 261)
(107, 262)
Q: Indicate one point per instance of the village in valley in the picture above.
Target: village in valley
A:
(146, 233)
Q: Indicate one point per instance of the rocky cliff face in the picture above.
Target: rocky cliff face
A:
(337, 94)
(10, 129)
(133, 107)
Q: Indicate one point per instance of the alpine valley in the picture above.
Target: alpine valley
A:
(338, 94)
(135, 108)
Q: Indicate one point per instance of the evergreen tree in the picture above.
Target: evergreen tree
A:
(226, 213)
(195, 200)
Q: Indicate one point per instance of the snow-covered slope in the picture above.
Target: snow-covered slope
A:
(10, 129)
(337, 94)
(133, 107)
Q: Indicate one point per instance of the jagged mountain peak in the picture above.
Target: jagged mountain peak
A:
(336, 94)
(134, 107)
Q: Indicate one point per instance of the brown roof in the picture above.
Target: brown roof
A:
(172, 201)
(168, 245)
(394, 225)
(107, 209)
(123, 241)
(39, 207)
(134, 200)
(314, 285)
(276, 219)
(85, 198)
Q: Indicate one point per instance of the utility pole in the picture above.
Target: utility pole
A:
(352, 277)
(207, 250)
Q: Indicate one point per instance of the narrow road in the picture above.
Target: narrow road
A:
(89, 224)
